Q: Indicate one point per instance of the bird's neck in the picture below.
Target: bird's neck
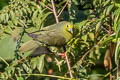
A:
(68, 35)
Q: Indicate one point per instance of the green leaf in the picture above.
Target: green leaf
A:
(40, 65)
(117, 12)
(98, 26)
(10, 24)
(116, 19)
(84, 37)
(6, 17)
(91, 35)
(24, 10)
(2, 17)
(20, 12)
(20, 78)
(80, 25)
(118, 30)
(13, 17)
(117, 5)
(34, 63)
(109, 9)
(117, 51)
(106, 3)
(7, 48)
(108, 39)
(12, 14)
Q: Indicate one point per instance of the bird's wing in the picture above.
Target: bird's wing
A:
(53, 38)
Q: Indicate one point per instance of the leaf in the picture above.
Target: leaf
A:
(20, 12)
(98, 26)
(84, 37)
(117, 5)
(118, 30)
(40, 65)
(6, 17)
(109, 9)
(117, 51)
(117, 12)
(106, 3)
(13, 17)
(80, 25)
(34, 15)
(26, 68)
(34, 63)
(20, 78)
(10, 24)
(43, 18)
(2, 17)
(7, 48)
(91, 35)
(108, 39)
(116, 19)
(11, 14)
(24, 10)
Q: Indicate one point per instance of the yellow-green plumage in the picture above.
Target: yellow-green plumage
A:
(54, 35)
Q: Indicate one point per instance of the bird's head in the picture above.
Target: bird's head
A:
(69, 27)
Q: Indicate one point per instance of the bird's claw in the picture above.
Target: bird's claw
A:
(62, 55)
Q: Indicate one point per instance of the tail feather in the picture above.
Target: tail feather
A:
(35, 47)
(30, 45)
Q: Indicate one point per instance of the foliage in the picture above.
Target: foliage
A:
(96, 29)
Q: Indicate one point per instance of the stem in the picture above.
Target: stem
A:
(60, 77)
(68, 65)
(46, 6)
(54, 11)
(49, 8)
(63, 8)
(110, 32)
(109, 73)
(4, 61)
(118, 69)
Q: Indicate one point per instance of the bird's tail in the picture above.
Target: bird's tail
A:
(35, 48)
(30, 45)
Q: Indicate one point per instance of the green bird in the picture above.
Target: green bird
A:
(54, 35)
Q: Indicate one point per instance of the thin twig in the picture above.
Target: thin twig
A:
(63, 8)
(106, 75)
(45, 75)
(48, 8)
(68, 65)
(57, 20)
(4, 61)
(110, 32)
(25, 26)
(54, 11)
(9, 77)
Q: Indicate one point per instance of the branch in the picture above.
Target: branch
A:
(68, 64)
(4, 61)
(46, 7)
(110, 32)
(54, 11)
(63, 8)
(45, 75)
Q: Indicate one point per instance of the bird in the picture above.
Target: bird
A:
(54, 35)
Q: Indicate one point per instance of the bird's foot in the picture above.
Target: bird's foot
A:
(19, 61)
(63, 55)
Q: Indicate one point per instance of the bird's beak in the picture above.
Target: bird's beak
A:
(71, 30)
